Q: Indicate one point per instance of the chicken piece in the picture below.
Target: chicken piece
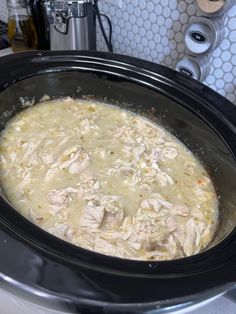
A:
(156, 203)
(171, 224)
(87, 125)
(190, 167)
(83, 237)
(147, 129)
(190, 238)
(113, 217)
(172, 247)
(3, 160)
(202, 194)
(105, 247)
(47, 158)
(26, 179)
(71, 155)
(179, 235)
(148, 174)
(92, 216)
(127, 150)
(101, 153)
(154, 156)
(78, 166)
(138, 151)
(163, 178)
(155, 255)
(75, 159)
(122, 167)
(181, 210)
(133, 181)
(165, 204)
(129, 234)
(34, 217)
(134, 242)
(30, 148)
(200, 228)
(129, 251)
(148, 231)
(169, 152)
(87, 178)
(124, 134)
(114, 213)
(58, 230)
(59, 198)
(152, 203)
(67, 99)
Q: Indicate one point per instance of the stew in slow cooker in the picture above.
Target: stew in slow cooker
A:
(107, 180)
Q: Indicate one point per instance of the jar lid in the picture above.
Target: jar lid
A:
(16, 3)
(202, 35)
(195, 67)
(213, 8)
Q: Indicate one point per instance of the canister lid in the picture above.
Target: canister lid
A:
(195, 67)
(199, 37)
(203, 34)
(213, 8)
(16, 3)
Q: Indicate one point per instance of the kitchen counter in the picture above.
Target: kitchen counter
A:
(4, 52)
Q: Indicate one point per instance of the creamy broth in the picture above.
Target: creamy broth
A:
(107, 180)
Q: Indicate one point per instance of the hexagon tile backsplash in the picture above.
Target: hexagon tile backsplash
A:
(153, 30)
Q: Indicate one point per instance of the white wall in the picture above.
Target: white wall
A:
(3, 11)
(153, 30)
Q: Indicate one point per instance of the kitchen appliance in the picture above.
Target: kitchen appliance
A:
(72, 24)
(42, 269)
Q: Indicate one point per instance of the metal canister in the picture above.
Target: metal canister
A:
(72, 24)
(195, 67)
(203, 35)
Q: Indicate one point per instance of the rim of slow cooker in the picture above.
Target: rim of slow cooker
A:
(11, 221)
(46, 57)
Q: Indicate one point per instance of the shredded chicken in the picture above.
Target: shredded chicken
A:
(74, 159)
(107, 180)
(92, 216)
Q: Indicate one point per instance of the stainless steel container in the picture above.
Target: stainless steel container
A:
(195, 67)
(72, 24)
(203, 35)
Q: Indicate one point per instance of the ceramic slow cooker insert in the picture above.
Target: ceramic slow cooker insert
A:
(43, 269)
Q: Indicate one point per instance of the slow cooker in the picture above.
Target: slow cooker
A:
(42, 269)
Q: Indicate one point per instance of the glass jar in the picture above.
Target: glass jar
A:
(21, 29)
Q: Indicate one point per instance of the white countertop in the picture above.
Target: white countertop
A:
(4, 52)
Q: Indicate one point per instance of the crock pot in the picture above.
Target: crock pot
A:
(40, 268)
